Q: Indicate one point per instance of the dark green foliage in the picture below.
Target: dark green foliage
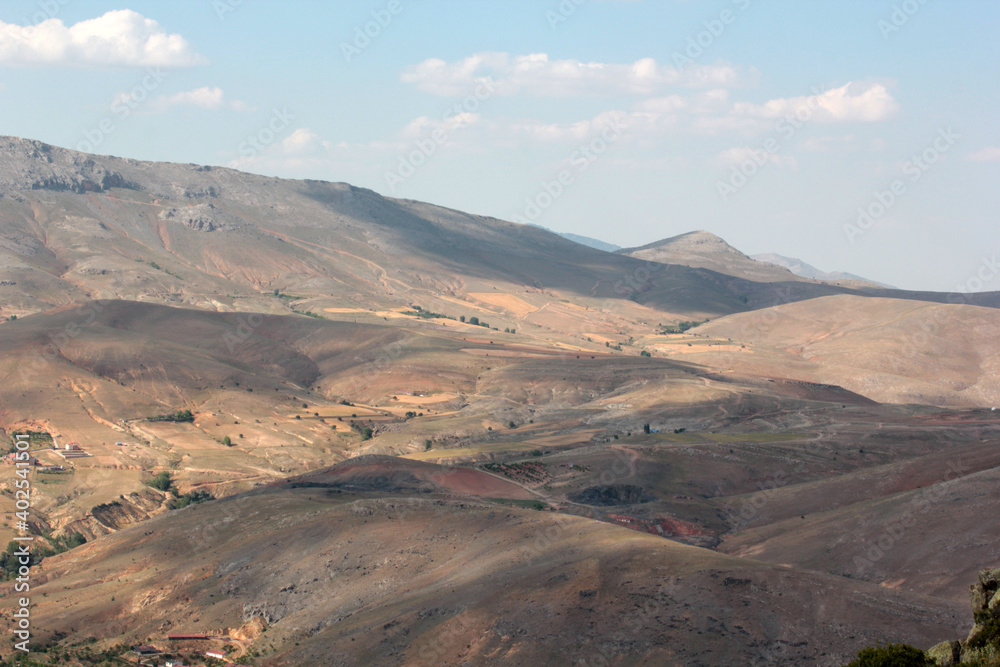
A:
(989, 619)
(644, 353)
(105, 506)
(9, 563)
(178, 416)
(680, 327)
(192, 498)
(474, 320)
(161, 482)
(35, 439)
(426, 314)
(891, 655)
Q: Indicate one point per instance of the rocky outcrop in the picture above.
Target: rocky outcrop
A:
(113, 516)
(200, 218)
(982, 646)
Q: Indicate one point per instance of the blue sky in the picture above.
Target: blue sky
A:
(858, 135)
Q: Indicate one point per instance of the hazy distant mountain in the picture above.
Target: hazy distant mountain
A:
(800, 268)
(590, 242)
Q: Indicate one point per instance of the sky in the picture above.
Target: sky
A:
(856, 135)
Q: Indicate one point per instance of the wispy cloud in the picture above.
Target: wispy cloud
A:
(988, 154)
(205, 97)
(852, 102)
(210, 98)
(118, 38)
(536, 75)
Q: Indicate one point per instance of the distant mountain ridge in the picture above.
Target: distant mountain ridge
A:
(800, 268)
(590, 242)
(704, 250)
(76, 227)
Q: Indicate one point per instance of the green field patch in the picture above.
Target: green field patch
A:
(529, 504)
(36, 439)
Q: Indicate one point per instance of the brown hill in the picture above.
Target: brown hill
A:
(701, 249)
(75, 227)
(887, 349)
(321, 575)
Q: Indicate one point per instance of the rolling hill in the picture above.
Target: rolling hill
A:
(440, 438)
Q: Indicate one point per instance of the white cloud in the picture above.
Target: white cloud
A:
(203, 98)
(302, 141)
(852, 102)
(120, 37)
(988, 154)
(535, 74)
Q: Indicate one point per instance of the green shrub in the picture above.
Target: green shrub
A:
(177, 416)
(892, 655)
(161, 482)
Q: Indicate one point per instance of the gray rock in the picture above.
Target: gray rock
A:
(946, 653)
